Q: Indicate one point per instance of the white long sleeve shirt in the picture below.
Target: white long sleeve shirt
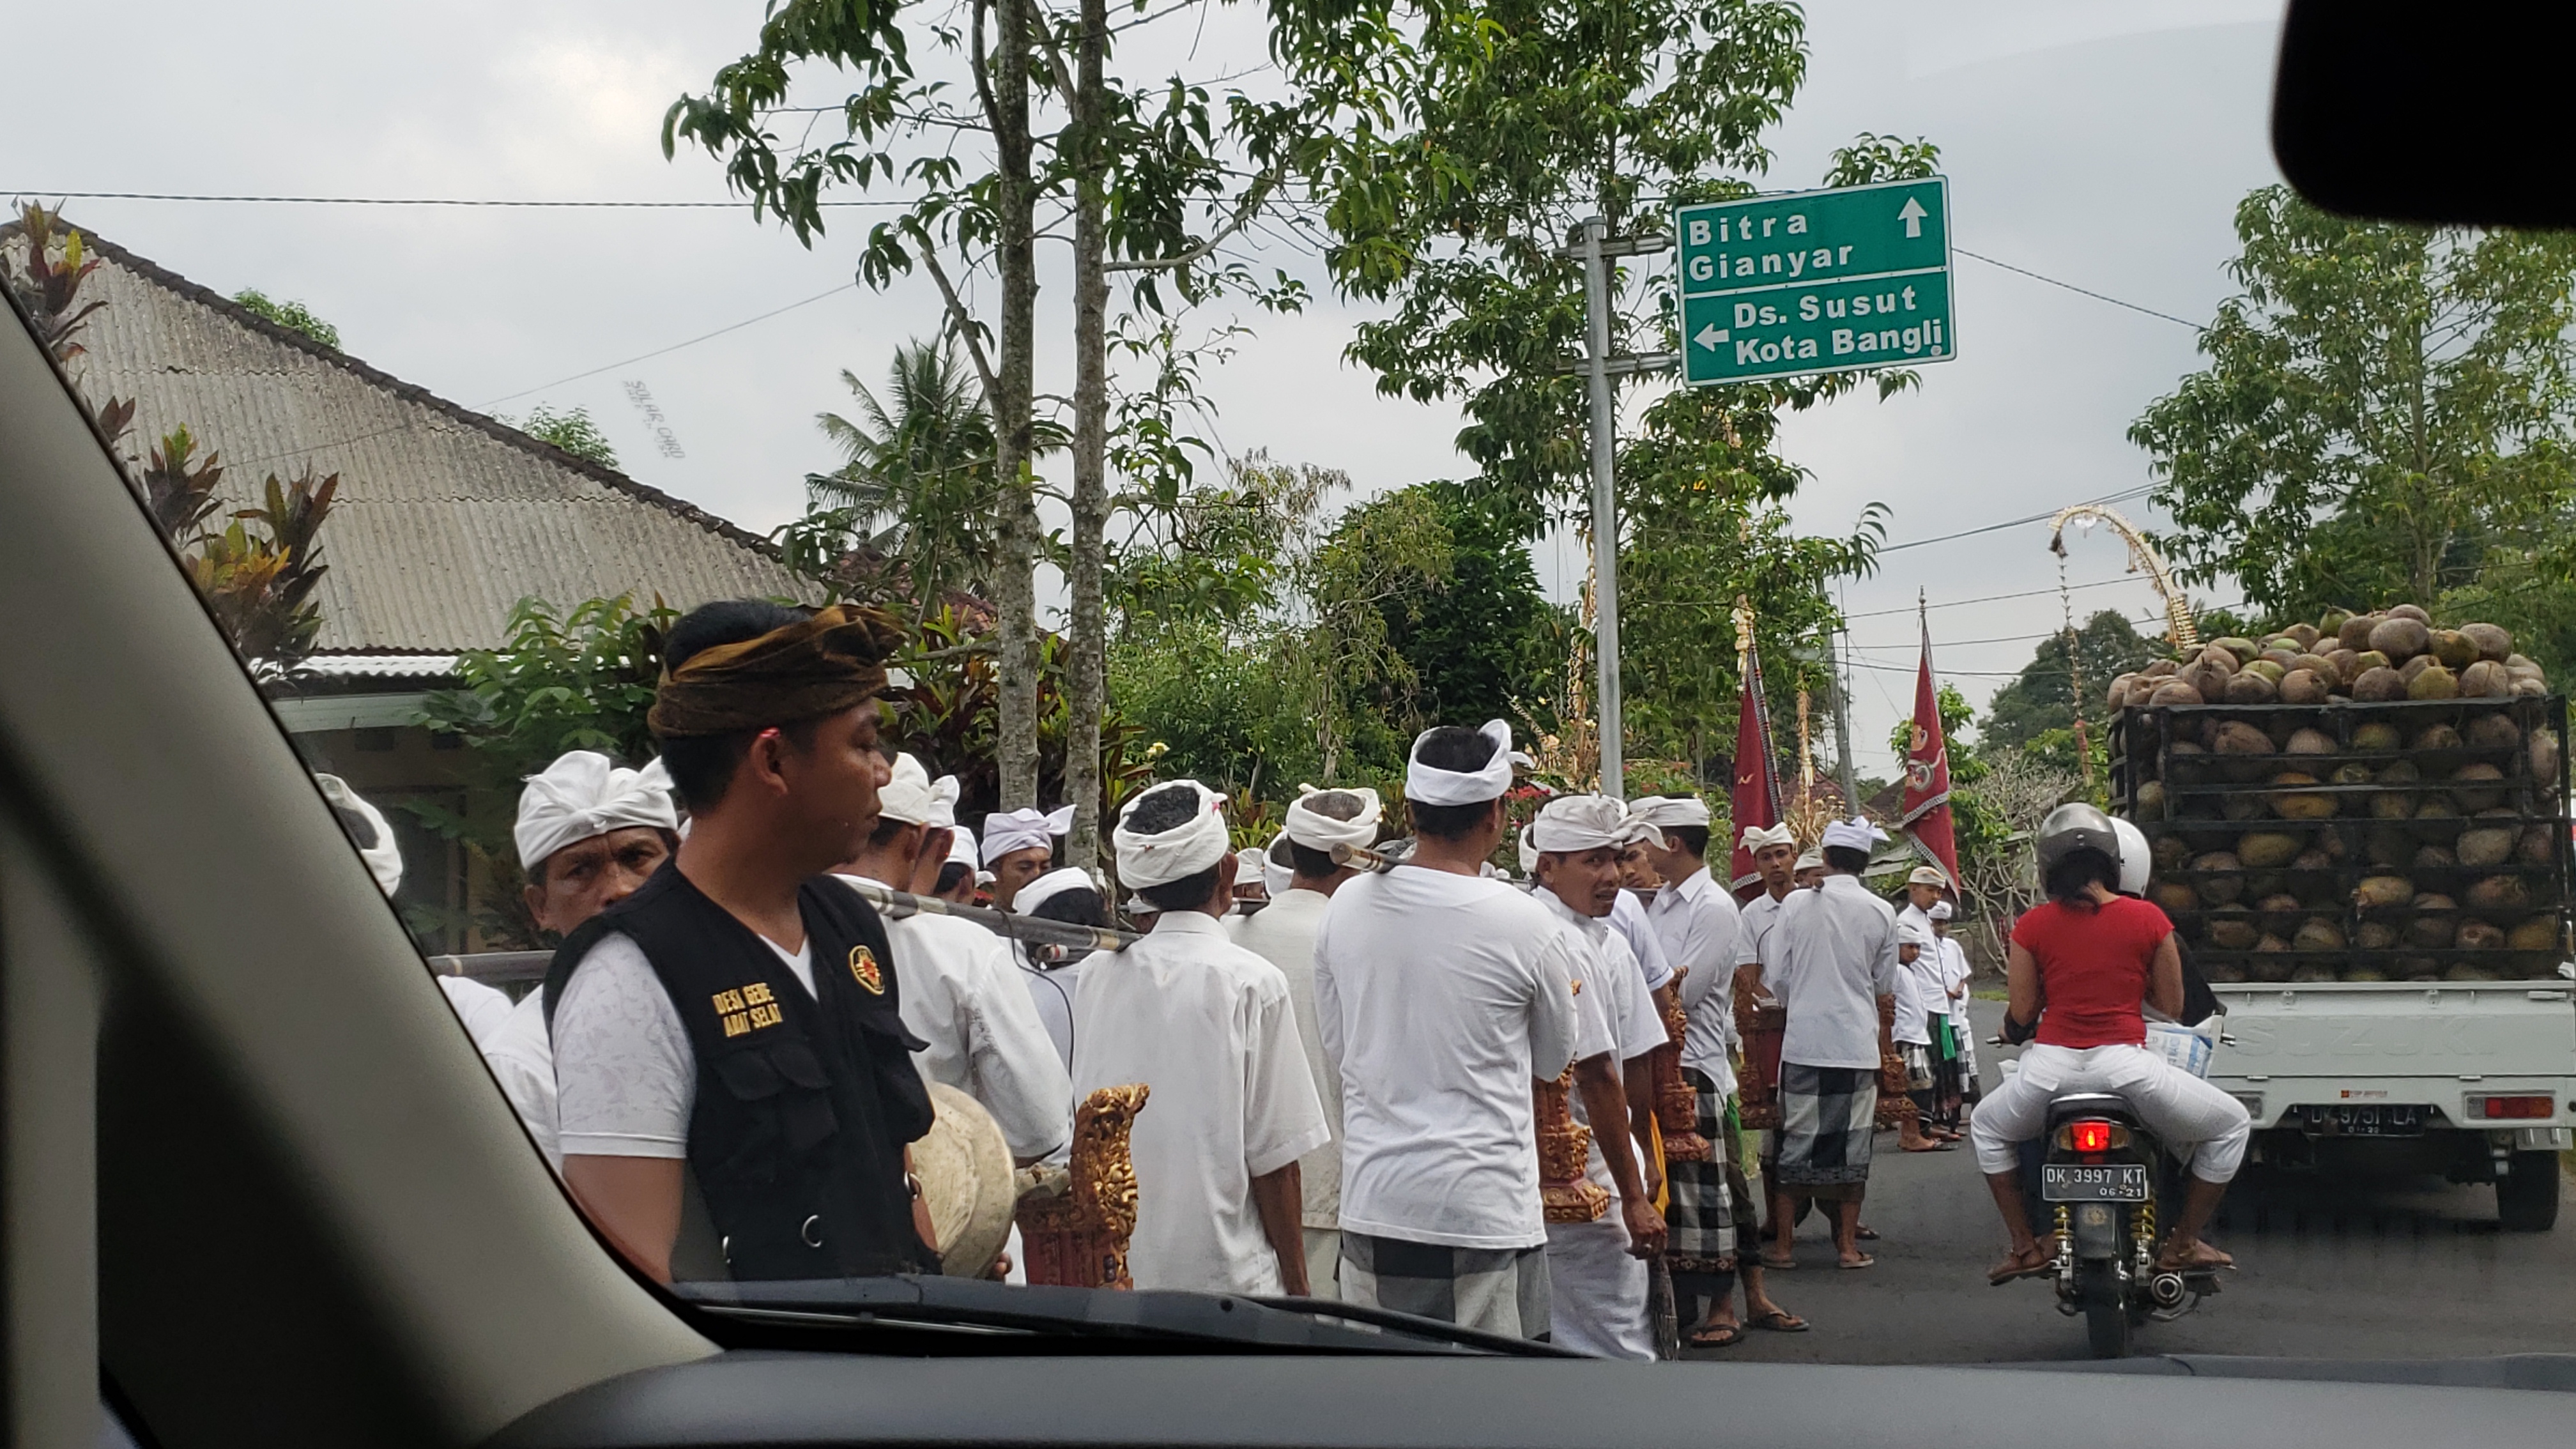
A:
(962, 993)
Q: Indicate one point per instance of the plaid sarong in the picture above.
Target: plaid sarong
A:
(1498, 1290)
(1825, 1126)
(1700, 1213)
(1918, 1066)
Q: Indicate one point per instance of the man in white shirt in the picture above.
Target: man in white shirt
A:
(961, 989)
(1713, 1213)
(1445, 998)
(589, 834)
(1051, 976)
(746, 969)
(1207, 1027)
(1836, 947)
(1597, 1288)
(1283, 933)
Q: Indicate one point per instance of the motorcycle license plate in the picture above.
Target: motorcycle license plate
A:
(2076, 1182)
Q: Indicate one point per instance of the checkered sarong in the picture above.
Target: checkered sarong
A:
(1918, 1066)
(1699, 1213)
(1501, 1290)
(1825, 1126)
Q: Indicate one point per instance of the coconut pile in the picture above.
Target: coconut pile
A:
(2363, 658)
(2321, 811)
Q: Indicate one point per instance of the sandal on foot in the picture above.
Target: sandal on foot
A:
(1777, 1265)
(1717, 1335)
(1866, 1261)
(2013, 1269)
(1865, 1233)
(1780, 1320)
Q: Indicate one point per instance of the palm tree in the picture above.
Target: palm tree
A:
(914, 503)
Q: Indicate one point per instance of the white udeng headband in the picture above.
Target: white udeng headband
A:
(1756, 838)
(1175, 854)
(1023, 829)
(1431, 785)
(582, 794)
(1050, 885)
(1317, 831)
(914, 798)
(1581, 822)
(1660, 811)
(1853, 834)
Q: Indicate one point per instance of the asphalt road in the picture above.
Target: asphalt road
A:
(2411, 1268)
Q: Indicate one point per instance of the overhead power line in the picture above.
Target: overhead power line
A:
(2138, 492)
(519, 203)
(2080, 291)
(676, 346)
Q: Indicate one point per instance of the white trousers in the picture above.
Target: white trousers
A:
(2181, 1108)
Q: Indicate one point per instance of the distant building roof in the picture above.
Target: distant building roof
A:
(445, 518)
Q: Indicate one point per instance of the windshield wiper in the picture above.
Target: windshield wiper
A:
(1295, 1325)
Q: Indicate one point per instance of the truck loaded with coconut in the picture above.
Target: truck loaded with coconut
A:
(2360, 829)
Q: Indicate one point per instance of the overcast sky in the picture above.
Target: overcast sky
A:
(2103, 144)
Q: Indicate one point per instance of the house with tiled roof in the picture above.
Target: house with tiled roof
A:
(444, 520)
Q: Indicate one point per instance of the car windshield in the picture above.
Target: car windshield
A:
(1684, 680)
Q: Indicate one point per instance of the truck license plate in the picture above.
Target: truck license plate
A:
(2075, 1182)
(2343, 1119)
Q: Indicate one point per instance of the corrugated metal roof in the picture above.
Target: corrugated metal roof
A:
(445, 518)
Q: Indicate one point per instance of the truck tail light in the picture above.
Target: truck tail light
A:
(2520, 1106)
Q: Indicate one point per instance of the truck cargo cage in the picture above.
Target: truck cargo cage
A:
(2342, 870)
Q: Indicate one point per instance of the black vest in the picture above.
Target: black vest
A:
(804, 1103)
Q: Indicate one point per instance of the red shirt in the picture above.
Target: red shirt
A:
(2093, 967)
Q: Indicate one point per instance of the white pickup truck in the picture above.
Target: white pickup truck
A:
(2473, 1080)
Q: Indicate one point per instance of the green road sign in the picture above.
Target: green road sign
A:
(1815, 281)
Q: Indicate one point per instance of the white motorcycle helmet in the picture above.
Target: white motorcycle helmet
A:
(2137, 862)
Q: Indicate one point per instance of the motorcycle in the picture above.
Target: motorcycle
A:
(2098, 1178)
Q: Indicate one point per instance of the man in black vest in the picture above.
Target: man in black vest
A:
(736, 1019)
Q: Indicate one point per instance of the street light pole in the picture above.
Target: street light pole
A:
(1605, 505)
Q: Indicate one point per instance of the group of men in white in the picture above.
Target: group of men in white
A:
(1343, 1082)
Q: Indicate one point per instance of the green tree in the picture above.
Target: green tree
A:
(293, 316)
(2040, 698)
(910, 510)
(565, 679)
(1701, 527)
(573, 431)
(1156, 175)
(2381, 401)
(1478, 638)
(1514, 119)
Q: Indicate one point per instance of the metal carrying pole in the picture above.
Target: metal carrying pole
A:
(508, 966)
(1605, 505)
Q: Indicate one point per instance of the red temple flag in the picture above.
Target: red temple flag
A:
(1926, 807)
(1757, 786)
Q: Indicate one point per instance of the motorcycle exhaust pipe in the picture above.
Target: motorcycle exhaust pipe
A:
(2166, 1290)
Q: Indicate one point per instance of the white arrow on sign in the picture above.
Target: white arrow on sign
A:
(1912, 216)
(1709, 336)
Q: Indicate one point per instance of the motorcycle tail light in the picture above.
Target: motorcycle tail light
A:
(2093, 1135)
(2518, 1106)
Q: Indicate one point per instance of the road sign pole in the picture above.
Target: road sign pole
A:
(1605, 504)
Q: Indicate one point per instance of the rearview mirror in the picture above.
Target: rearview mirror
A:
(2452, 114)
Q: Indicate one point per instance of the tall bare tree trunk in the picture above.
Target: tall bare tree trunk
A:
(1089, 642)
(1015, 588)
